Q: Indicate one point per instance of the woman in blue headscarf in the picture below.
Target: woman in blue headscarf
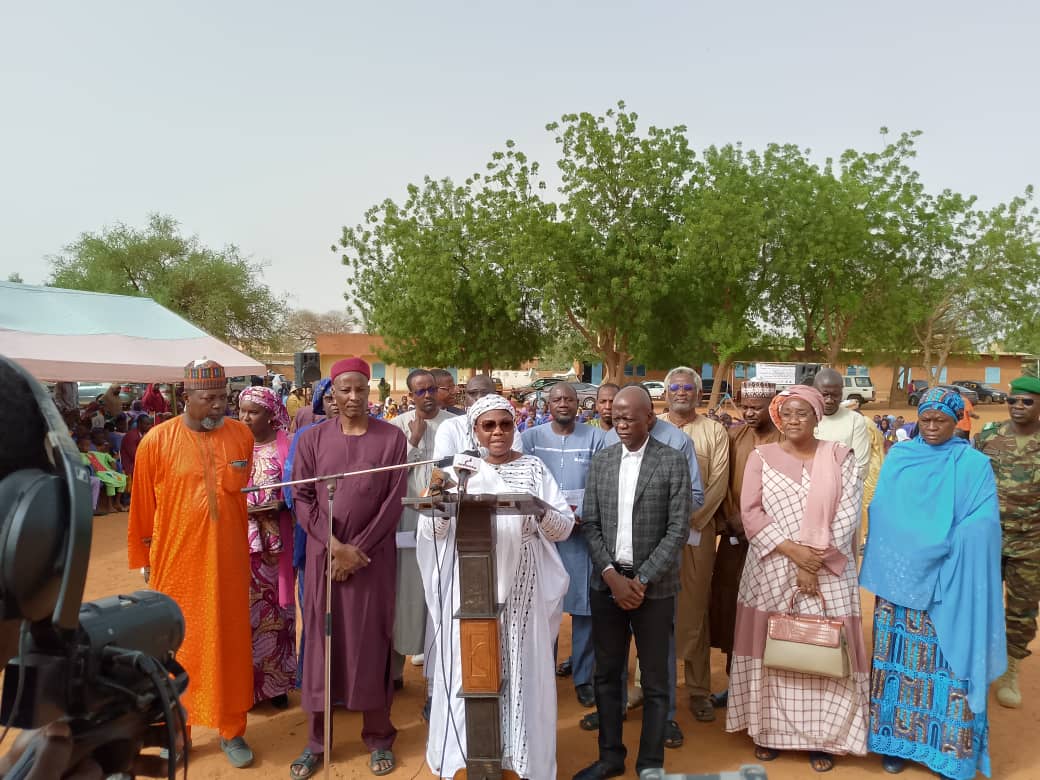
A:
(933, 559)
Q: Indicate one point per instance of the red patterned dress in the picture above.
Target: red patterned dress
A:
(274, 625)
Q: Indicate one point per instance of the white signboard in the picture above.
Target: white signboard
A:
(777, 373)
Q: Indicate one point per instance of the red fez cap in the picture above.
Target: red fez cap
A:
(350, 364)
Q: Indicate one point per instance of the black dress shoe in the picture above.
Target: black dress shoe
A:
(280, 702)
(600, 770)
(566, 669)
(586, 695)
(399, 684)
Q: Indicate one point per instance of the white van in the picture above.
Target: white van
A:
(860, 388)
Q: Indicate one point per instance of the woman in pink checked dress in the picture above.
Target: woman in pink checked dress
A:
(800, 506)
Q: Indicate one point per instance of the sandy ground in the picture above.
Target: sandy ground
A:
(278, 737)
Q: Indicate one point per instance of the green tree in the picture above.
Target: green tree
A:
(984, 286)
(846, 239)
(221, 292)
(432, 276)
(15, 278)
(610, 251)
(724, 241)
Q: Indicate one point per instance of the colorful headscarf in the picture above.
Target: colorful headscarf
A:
(270, 400)
(810, 395)
(944, 400)
(488, 404)
(320, 391)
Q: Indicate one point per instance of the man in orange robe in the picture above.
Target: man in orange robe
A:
(188, 531)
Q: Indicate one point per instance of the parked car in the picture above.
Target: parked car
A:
(858, 388)
(919, 390)
(539, 385)
(656, 389)
(986, 393)
(586, 394)
(498, 384)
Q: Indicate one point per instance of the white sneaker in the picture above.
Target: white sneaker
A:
(418, 660)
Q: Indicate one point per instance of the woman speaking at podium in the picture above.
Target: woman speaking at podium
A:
(531, 585)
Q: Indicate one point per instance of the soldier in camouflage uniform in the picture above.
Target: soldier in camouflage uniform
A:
(1013, 447)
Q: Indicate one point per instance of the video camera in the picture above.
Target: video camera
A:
(106, 668)
(747, 772)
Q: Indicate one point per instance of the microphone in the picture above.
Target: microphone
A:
(449, 461)
(465, 464)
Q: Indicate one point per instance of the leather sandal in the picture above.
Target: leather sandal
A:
(308, 765)
(380, 757)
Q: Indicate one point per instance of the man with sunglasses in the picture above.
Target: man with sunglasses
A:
(455, 436)
(419, 425)
(1013, 448)
(711, 446)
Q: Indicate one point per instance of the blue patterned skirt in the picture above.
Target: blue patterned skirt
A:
(918, 709)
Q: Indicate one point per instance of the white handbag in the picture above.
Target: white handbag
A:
(806, 643)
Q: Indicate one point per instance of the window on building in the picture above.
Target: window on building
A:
(640, 370)
(378, 370)
(707, 371)
(738, 370)
(992, 376)
(628, 369)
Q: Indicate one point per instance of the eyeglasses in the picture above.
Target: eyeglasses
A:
(677, 387)
(424, 391)
(478, 393)
(1020, 399)
(489, 426)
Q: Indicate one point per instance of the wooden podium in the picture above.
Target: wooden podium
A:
(484, 671)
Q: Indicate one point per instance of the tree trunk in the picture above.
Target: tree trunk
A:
(614, 366)
(721, 372)
(896, 392)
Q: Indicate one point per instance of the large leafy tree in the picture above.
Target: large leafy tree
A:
(723, 240)
(977, 284)
(611, 252)
(846, 236)
(433, 277)
(220, 291)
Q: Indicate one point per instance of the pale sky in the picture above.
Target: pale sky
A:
(271, 125)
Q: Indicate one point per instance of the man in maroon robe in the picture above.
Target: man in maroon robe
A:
(366, 512)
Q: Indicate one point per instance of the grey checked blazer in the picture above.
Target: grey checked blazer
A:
(660, 515)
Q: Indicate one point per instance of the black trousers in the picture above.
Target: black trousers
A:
(652, 623)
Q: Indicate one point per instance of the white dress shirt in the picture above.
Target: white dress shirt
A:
(628, 475)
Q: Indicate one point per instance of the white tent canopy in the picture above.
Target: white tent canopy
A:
(74, 336)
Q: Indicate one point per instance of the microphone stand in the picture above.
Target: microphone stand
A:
(330, 481)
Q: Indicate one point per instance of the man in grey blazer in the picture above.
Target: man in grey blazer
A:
(635, 520)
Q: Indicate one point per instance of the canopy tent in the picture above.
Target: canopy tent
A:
(71, 335)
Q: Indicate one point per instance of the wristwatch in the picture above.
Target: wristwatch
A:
(643, 580)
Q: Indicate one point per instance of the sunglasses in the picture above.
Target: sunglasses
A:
(1020, 399)
(676, 388)
(424, 391)
(489, 426)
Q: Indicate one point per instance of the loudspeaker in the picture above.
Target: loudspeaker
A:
(45, 526)
(308, 367)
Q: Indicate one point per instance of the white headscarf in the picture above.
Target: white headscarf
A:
(488, 404)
